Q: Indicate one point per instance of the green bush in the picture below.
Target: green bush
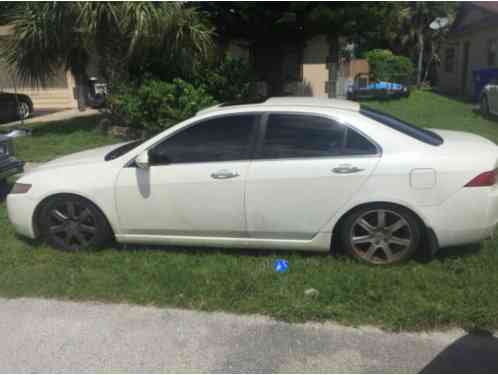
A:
(385, 66)
(156, 105)
(226, 80)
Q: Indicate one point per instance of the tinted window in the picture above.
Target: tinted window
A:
(356, 144)
(413, 131)
(218, 139)
(301, 136)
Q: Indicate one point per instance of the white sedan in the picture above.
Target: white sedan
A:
(489, 98)
(287, 173)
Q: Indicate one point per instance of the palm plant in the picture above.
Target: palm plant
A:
(411, 20)
(51, 35)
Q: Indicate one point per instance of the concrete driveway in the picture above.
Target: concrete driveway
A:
(47, 336)
(51, 115)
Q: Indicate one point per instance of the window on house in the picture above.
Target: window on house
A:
(449, 60)
(492, 51)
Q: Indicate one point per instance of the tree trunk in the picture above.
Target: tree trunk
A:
(420, 37)
(81, 90)
(428, 67)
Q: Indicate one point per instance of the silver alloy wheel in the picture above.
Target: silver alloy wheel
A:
(380, 236)
(24, 110)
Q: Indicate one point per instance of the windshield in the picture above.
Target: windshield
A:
(121, 150)
(404, 127)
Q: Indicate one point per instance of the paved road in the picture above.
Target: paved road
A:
(45, 336)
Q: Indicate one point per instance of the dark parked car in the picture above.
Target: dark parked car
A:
(9, 165)
(15, 107)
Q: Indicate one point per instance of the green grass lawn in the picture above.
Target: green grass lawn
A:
(457, 288)
(50, 140)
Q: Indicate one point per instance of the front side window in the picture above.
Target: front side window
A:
(218, 139)
(307, 136)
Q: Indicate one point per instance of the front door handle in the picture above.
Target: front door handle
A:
(346, 169)
(224, 174)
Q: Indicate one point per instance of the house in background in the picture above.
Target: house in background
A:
(57, 94)
(300, 68)
(472, 45)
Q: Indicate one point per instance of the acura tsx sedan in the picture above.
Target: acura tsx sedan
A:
(286, 173)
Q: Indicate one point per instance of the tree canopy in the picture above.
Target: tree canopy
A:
(124, 36)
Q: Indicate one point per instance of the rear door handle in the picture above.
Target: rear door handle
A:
(346, 169)
(224, 174)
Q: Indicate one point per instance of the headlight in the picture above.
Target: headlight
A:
(20, 188)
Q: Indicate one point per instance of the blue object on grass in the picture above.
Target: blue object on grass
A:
(382, 85)
(281, 265)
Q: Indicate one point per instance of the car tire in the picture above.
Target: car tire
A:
(484, 106)
(24, 110)
(72, 223)
(380, 234)
(4, 189)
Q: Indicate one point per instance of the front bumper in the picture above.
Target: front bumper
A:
(10, 166)
(21, 210)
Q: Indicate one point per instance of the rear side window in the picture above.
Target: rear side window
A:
(406, 128)
(305, 136)
(300, 136)
(356, 144)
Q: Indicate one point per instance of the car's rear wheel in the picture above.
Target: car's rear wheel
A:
(484, 106)
(71, 223)
(24, 110)
(381, 234)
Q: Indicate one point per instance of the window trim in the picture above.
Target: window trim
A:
(262, 135)
(252, 138)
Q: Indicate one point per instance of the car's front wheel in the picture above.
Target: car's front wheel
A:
(24, 110)
(484, 106)
(72, 223)
(381, 234)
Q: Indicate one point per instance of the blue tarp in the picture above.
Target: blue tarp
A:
(381, 85)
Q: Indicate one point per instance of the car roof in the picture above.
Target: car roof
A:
(313, 102)
(287, 101)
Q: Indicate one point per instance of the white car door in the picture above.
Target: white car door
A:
(195, 185)
(305, 169)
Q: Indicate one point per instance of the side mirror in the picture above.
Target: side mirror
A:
(142, 160)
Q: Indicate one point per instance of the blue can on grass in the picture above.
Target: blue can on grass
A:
(281, 265)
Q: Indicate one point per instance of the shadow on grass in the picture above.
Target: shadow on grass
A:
(476, 352)
(206, 250)
(458, 251)
(456, 98)
(489, 117)
(441, 255)
(4, 190)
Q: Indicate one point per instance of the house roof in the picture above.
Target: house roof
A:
(475, 15)
(490, 6)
